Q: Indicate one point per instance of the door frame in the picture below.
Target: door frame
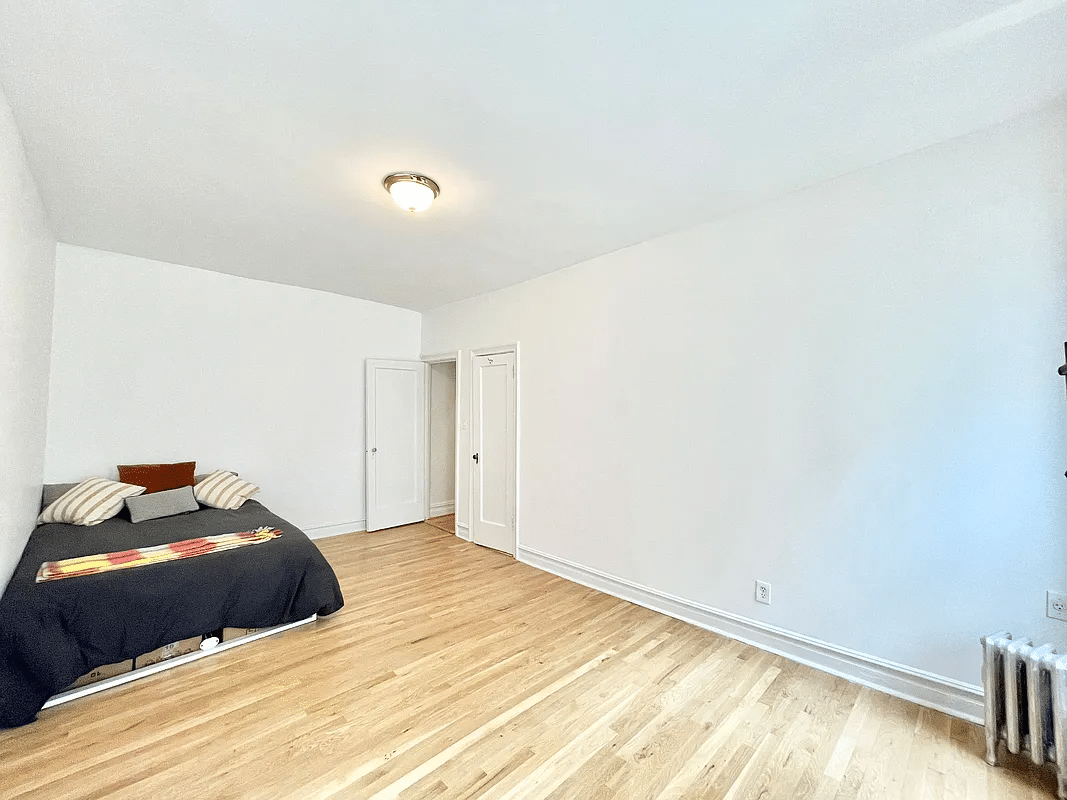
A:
(444, 358)
(515, 438)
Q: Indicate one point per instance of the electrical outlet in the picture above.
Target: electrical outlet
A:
(763, 593)
(1056, 605)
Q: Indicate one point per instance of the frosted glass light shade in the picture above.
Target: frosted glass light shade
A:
(412, 196)
(411, 191)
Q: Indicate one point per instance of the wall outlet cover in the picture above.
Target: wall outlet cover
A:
(1056, 605)
(763, 593)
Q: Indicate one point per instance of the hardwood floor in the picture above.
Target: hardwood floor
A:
(456, 672)
(446, 523)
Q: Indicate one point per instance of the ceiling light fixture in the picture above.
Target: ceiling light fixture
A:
(411, 191)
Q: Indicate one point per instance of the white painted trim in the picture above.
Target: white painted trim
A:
(426, 513)
(518, 455)
(461, 457)
(439, 509)
(953, 697)
(323, 531)
(438, 358)
(495, 351)
(170, 663)
(463, 531)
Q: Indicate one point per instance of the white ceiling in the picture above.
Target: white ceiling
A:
(251, 137)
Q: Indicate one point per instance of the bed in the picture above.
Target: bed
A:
(52, 633)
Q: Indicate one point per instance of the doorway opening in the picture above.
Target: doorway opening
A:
(442, 440)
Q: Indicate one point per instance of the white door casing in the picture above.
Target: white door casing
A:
(396, 443)
(493, 445)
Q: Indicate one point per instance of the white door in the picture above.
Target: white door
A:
(396, 443)
(493, 442)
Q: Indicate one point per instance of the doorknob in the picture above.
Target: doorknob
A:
(374, 450)
(475, 458)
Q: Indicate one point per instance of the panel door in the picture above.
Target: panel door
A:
(493, 442)
(396, 443)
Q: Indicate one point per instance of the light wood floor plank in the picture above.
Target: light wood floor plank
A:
(457, 672)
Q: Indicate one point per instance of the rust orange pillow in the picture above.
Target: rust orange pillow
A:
(158, 477)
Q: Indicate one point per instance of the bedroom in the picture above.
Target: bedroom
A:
(833, 370)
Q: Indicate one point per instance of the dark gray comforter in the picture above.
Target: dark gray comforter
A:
(51, 633)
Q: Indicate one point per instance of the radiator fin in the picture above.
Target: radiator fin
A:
(1026, 701)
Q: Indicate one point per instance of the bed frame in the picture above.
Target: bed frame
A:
(177, 661)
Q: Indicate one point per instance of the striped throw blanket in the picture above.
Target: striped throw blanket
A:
(127, 559)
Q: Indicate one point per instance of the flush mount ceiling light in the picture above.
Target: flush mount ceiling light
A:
(411, 191)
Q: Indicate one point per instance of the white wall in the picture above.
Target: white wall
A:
(442, 437)
(27, 264)
(155, 362)
(850, 393)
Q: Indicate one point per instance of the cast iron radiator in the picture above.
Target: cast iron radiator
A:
(1026, 701)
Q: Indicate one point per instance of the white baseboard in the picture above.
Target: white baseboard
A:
(322, 531)
(440, 509)
(953, 697)
(463, 531)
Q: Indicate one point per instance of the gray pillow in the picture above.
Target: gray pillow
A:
(162, 504)
(51, 492)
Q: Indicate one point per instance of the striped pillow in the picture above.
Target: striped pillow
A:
(223, 489)
(90, 502)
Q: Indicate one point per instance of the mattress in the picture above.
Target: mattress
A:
(51, 633)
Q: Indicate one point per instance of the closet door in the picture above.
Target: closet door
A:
(493, 441)
(396, 443)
